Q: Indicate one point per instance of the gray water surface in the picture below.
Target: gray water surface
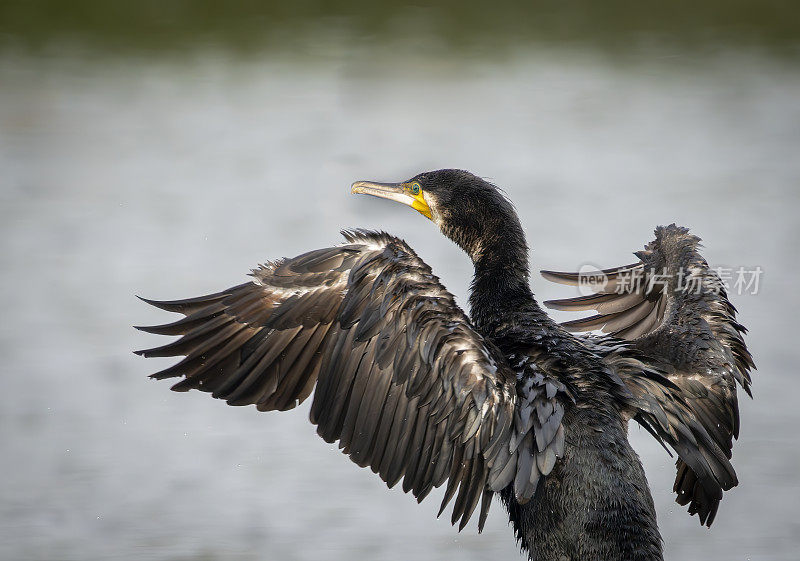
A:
(172, 178)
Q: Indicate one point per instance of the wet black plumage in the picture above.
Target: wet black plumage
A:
(503, 401)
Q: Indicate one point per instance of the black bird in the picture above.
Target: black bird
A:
(503, 401)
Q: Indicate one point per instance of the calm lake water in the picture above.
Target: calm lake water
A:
(171, 177)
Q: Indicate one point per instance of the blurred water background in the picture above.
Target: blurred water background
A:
(163, 149)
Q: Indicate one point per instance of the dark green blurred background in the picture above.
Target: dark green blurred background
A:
(485, 26)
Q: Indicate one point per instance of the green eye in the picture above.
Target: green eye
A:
(414, 188)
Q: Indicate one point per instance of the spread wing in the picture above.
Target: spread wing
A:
(402, 380)
(676, 314)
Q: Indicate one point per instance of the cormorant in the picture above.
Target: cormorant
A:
(504, 400)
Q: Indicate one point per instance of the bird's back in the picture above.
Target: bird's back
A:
(595, 503)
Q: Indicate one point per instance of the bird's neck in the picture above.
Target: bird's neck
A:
(500, 291)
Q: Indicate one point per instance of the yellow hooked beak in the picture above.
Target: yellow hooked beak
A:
(409, 194)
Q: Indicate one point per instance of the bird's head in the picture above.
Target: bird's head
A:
(469, 210)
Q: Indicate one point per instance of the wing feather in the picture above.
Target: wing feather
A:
(689, 334)
(400, 378)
